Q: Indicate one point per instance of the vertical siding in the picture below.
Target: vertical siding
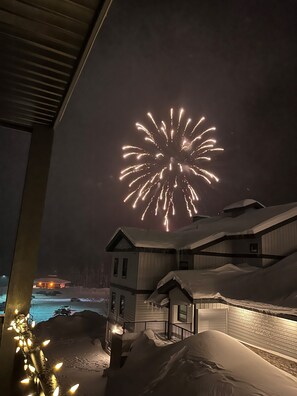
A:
(265, 331)
(212, 319)
(131, 279)
(147, 312)
(203, 262)
(281, 241)
(152, 267)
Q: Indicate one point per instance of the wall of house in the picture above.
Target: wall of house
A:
(130, 304)
(265, 331)
(212, 316)
(281, 241)
(243, 246)
(148, 312)
(132, 270)
(204, 261)
(152, 267)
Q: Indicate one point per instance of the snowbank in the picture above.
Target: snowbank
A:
(75, 341)
(207, 364)
(80, 324)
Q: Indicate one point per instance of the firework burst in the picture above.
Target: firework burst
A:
(173, 154)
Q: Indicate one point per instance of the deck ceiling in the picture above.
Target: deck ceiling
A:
(43, 47)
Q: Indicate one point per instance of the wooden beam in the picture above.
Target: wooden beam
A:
(26, 248)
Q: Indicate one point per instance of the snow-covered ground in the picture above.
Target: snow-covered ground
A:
(207, 364)
(43, 307)
(75, 341)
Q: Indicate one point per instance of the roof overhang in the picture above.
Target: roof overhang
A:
(44, 47)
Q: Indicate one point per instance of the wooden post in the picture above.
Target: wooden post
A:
(26, 248)
(170, 319)
(195, 319)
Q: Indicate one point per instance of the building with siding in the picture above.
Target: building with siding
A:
(246, 235)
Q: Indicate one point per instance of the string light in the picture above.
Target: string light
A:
(35, 365)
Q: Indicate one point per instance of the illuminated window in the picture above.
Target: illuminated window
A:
(113, 302)
(115, 267)
(122, 306)
(182, 313)
(253, 247)
(125, 268)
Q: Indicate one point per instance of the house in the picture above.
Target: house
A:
(51, 282)
(220, 272)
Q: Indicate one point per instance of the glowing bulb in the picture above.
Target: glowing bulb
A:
(17, 350)
(74, 388)
(31, 368)
(29, 342)
(33, 324)
(16, 311)
(56, 392)
(25, 381)
(58, 365)
(46, 342)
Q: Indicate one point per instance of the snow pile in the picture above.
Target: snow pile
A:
(75, 341)
(207, 364)
(268, 289)
(80, 324)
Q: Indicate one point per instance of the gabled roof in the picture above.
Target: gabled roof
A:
(257, 219)
(51, 279)
(142, 238)
(243, 204)
(239, 285)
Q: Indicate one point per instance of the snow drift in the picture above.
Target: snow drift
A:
(207, 364)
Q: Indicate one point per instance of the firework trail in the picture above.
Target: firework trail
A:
(172, 155)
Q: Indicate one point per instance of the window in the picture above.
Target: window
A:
(182, 313)
(122, 306)
(183, 265)
(112, 302)
(253, 247)
(115, 267)
(125, 268)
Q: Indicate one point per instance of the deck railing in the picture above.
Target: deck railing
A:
(159, 326)
(180, 332)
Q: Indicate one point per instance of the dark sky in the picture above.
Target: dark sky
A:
(233, 61)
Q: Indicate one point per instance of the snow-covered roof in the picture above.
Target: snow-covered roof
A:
(243, 204)
(51, 279)
(270, 289)
(210, 229)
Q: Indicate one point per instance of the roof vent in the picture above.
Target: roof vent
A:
(199, 217)
(240, 207)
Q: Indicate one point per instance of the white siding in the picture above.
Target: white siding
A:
(281, 241)
(265, 331)
(152, 267)
(202, 262)
(132, 269)
(147, 312)
(212, 319)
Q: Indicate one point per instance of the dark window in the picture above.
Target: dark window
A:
(122, 306)
(253, 247)
(125, 268)
(113, 302)
(182, 313)
(183, 265)
(115, 267)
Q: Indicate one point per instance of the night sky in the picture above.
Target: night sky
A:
(233, 61)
